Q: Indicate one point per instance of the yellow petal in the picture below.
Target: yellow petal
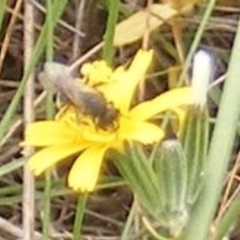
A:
(123, 83)
(141, 63)
(47, 133)
(85, 171)
(143, 132)
(119, 86)
(97, 72)
(135, 74)
(49, 156)
(166, 101)
(96, 135)
(115, 89)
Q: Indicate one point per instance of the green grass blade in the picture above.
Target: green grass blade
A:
(220, 150)
(2, 10)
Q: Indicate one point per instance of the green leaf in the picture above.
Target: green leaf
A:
(138, 172)
(134, 27)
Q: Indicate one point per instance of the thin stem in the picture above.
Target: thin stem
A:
(228, 219)
(111, 24)
(8, 34)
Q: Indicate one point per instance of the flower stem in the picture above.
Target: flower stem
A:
(78, 222)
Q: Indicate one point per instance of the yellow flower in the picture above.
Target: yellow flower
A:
(70, 135)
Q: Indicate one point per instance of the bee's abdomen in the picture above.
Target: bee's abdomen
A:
(93, 104)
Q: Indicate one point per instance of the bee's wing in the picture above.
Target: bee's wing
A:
(54, 76)
(58, 78)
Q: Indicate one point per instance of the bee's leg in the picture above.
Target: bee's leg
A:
(83, 119)
(62, 110)
(96, 123)
(115, 125)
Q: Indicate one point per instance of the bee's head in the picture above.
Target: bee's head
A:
(109, 120)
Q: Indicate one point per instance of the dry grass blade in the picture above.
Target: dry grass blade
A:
(28, 180)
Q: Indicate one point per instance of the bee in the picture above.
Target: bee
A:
(87, 99)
